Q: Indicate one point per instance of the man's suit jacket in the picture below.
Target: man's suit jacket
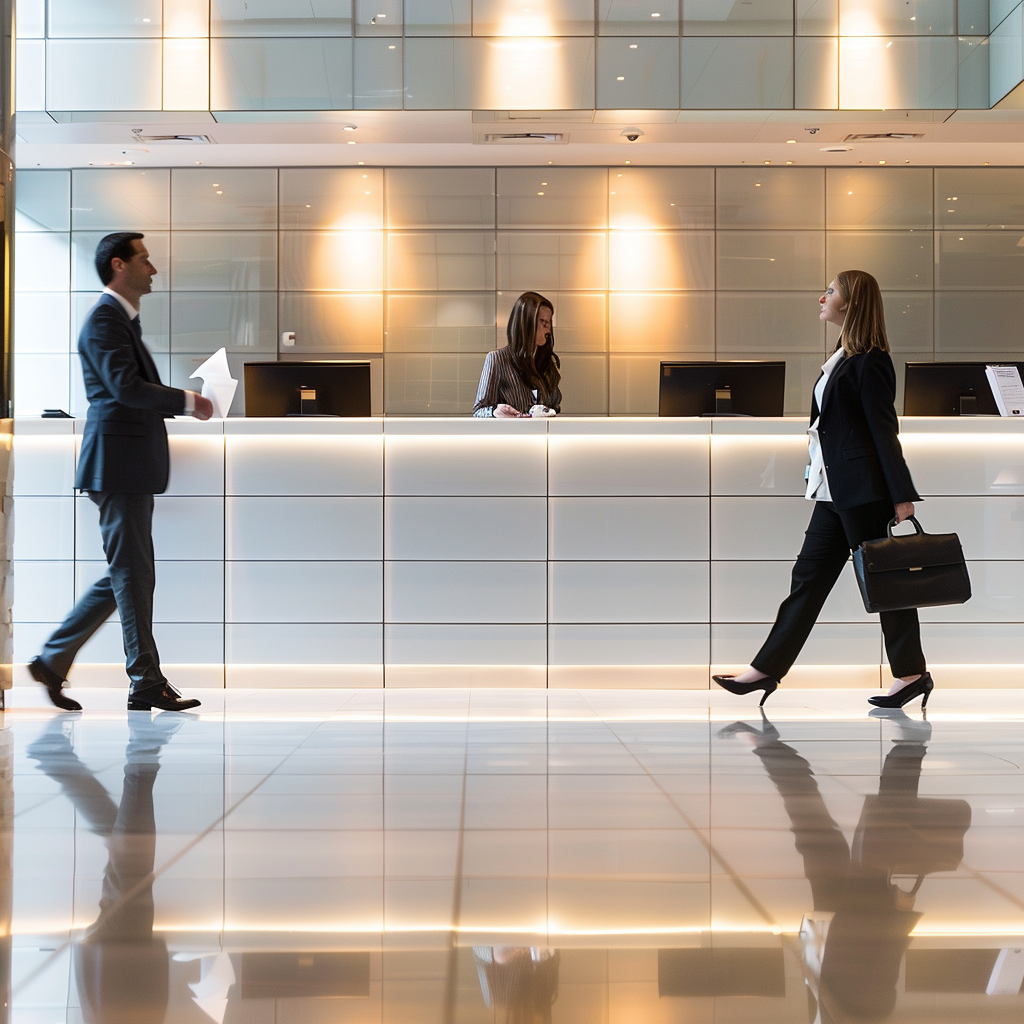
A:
(859, 431)
(124, 445)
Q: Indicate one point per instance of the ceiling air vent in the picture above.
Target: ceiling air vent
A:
(174, 138)
(883, 136)
(524, 138)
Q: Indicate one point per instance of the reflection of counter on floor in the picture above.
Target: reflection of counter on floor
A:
(572, 552)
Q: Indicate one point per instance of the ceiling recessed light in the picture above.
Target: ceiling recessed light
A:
(789, 161)
(351, 142)
(391, 47)
(361, 162)
(308, 207)
(220, 191)
(365, 175)
(849, 193)
(620, 78)
(216, 184)
(767, 161)
(881, 161)
(629, 161)
(790, 142)
(757, 184)
(540, 193)
(543, 182)
(655, 15)
(349, 127)
(632, 46)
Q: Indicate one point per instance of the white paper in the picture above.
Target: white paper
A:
(218, 384)
(1007, 389)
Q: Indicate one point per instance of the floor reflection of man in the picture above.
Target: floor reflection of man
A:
(855, 939)
(121, 968)
(521, 981)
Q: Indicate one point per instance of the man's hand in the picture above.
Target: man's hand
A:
(904, 510)
(203, 409)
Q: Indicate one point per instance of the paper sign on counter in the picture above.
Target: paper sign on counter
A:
(218, 384)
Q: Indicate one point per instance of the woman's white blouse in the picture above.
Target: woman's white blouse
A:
(817, 480)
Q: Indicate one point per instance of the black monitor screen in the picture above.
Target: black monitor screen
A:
(314, 388)
(949, 389)
(745, 388)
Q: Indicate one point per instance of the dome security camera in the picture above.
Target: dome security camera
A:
(632, 134)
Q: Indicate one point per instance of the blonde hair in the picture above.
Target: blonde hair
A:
(864, 325)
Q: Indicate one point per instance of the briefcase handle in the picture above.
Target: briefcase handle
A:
(910, 519)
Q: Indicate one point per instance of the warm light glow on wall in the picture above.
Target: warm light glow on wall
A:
(865, 79)
(186, 55)
(351, 261)
(641, 260)
(524, 69)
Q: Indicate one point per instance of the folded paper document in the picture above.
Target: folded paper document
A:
(218, 384)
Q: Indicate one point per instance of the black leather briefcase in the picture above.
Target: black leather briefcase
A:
(921, 570)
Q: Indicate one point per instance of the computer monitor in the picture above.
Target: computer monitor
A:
(737, 388)
(322, 387)
(950, 389)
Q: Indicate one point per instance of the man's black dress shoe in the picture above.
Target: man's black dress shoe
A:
(42, 673)
(163, 697)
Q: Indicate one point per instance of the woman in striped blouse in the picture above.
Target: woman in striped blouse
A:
(522, 378)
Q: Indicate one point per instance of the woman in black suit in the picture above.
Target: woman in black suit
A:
(858, 482)
(522, 378)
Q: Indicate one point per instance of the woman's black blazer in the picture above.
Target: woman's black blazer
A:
(859, 431)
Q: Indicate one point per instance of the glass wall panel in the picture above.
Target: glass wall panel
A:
(80, 19)
(728, 18)
(879, 197)
(721, 73)
(73, 84)
(229, 197)
(280, 18)
(551, 18)
(584, 385)
(762, 260)
(817, 17)
(980, 321)
(431, 384)
(43, 201)
(118, 199)
(378, 17)
(224, 260)
(440, 198)
(438, 17)
(998, 10)
(438, 74)
(554, 197)
(43, 383)
(1006, 54)
(378, 74)
(281, 74)
(635, 18)
(333, 323)
(83, 260)
(240, 322)
(973, 81)
(154, 313)
(682, 323)
(973, 16)
(43, 263)
(336, 261)
(42, 322)
(332, 197)
(580, 320)
(979, 197)
(31, 19)
(633, 382)
(815, 73)
(896, 259)
(552, 261)
(30, 74)
(535, 73)
(661, 197)
(763, 197)
(768, 322)
(661, 261)
(637, 73)
(899, 72)
(441, 261)
(448, 322)
(909, 18)
(979, 259)
(909, 324)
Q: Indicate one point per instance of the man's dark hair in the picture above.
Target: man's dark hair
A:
(116, 246)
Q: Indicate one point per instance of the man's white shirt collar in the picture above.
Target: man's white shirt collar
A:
(125, 304)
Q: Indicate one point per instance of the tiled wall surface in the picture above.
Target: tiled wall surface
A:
(417, 268)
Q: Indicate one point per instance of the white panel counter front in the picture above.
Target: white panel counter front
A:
(453, 552)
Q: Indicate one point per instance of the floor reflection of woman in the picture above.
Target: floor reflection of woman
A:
(519, 981)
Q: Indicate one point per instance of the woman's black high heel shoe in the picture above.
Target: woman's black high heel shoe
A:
(729, 683)
(921, 687)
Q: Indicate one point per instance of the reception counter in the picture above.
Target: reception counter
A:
(456, 552)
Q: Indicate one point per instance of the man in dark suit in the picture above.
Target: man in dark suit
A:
(123, 462)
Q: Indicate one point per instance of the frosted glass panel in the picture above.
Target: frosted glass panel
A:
(441, 261)
(909, 324)
(771, 259)
(280, 18)
(658, 261)
(43, 200)
(333, 323)
(438, 73)
(281, 74)
(899, 72)
(672, 322)
(552, 261)
(817, 17)
(973, 16)
(554, 197)
(637, 73)
(72, 82)
(815, 73)
(225, 260)
(580, 320)
(909, 18)
(431, 384)
(243, 199)
(378, 74)
(30, 74)
(204, 321)
(31, 19)
(744, 74)
(79, 19)
(42, 383)
(378, 17)
(973, 76)
(978, 320)
(349, 261)
(154, 314)
(43, 263)
(552, 18)
(1006, 54)
(785, 197)
(440, 198)
(769, 323)
(584, 385)
(438, 17)
(42, 322)
(884, 197)
(531, 74)
(749, 18)
(667, 197)
(83, 256)
(455, 322)
(120, 200)
(979, 259)
(979, 198)
(896, 259)
(633, 383)
(633, 18)
(335, 197)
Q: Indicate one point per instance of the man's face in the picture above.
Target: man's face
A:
(137, 273)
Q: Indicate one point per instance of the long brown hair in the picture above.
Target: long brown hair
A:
(864, 325)
(537, 366)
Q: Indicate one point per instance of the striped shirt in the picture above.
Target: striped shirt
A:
(501, 384)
